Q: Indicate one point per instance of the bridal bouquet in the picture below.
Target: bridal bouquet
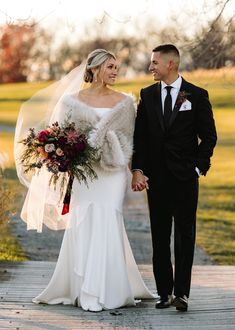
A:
(63, 150)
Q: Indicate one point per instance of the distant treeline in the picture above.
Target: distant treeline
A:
(28, 53)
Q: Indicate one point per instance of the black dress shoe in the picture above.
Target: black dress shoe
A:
(164, 302)
(181, 303)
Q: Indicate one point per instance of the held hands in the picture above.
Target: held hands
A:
(139, 181)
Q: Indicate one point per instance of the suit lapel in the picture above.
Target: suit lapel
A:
(157, 102)
(177, 104)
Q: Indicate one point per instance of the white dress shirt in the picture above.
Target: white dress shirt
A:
(174, 91)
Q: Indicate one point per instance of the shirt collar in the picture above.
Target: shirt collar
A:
(176, 84)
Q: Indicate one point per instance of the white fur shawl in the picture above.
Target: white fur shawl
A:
(112, 133)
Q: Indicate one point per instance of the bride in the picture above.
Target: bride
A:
(96, 269)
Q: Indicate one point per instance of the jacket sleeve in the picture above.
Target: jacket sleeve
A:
(206, 131)
(139, 141)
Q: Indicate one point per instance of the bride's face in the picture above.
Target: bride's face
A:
(108, 72)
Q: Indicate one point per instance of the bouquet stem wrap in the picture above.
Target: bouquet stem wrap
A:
(67, 197)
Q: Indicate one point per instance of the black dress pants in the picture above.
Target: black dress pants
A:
(171, 199)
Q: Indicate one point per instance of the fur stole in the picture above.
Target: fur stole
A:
(112, 133)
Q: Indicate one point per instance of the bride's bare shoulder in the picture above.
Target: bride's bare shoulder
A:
(120, 95)
(83, 94)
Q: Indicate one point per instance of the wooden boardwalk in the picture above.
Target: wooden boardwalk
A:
(212, 303)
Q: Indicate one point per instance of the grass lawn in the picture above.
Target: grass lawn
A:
(216, 212)
(10, 202)
(9, 247)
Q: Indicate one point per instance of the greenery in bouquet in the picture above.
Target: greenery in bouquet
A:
(63, 150)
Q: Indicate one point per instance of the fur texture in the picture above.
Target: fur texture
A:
(112, 133)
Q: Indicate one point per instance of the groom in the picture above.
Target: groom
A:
(174, 139)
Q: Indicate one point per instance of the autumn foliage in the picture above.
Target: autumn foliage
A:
(16, 42)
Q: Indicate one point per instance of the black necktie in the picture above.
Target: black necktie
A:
(167, 106)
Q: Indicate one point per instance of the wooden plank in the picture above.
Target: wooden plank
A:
(212, 303)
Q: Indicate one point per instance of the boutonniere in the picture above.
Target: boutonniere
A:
(182, 97)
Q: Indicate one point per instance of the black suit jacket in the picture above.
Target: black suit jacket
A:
(187, 143)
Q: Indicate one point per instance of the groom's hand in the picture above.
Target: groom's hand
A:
(139, 181)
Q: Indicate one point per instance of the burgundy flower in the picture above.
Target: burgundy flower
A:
(62, 141)
(62, 150)
(80, 146)
(63, 167)
(182, 97)
(51, 155)
(43, 136)
(71, 152)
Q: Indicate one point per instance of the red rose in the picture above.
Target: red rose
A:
(43, 136)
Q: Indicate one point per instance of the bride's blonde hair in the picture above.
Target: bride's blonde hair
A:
(95, 59)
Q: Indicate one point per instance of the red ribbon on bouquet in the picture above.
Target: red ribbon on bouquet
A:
(67, 196)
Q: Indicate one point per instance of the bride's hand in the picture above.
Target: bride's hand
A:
(139, 181)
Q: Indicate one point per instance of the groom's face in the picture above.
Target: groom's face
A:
(159, 66)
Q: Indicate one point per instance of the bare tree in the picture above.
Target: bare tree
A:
(40, 58)
(213, 46)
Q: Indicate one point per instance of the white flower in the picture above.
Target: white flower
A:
(49, 147)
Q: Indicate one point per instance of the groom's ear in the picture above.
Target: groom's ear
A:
(174, 63)
(171, 64)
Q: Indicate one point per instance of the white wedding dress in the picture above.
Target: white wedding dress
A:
(96, 269)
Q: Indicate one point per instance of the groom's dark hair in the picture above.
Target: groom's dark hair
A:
(166, 49)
